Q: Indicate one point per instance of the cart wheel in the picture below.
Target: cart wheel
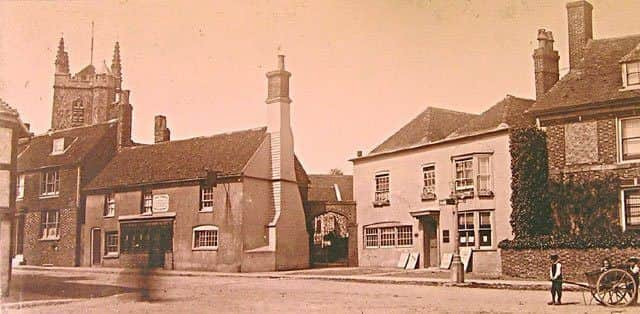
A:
(594, 294)
(615, 287)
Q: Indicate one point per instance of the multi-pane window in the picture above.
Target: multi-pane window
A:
(50, 224)
(464, 174)
(205, 237)
(405, 236)
(633, 73)
(631, 205)
(20, 187)
(466, 230)
(371, 237)
(484, 175)
(485, 229)
(382, 188)
(630, 138)
(388, 236)
(206, 199)
(109, 205)
(429, 177)
(50, 183)
(147, 202)
(111, 242)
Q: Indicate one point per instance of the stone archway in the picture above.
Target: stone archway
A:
(329, 239)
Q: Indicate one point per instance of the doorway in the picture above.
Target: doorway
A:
(430, 231)
(96, 246)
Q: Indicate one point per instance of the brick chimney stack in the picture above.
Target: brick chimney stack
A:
(161, 132)
(580, 29)
(545, 63)
(125, 117)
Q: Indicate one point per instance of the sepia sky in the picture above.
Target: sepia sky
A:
(361, 69)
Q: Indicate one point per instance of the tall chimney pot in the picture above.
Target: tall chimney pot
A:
(545, 59)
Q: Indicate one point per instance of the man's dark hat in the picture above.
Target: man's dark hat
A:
(633, 259)
(554, 256)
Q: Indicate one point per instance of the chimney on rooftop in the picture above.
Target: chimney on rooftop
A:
(161, 132)
(125, 117)
(580, 29)
(545, 63)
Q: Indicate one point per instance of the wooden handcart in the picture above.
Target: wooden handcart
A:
(615, 287)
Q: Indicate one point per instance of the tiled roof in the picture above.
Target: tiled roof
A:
(634, 55)
(226, 153)
(508, 112)
(429, 126)
(35, 153)
(596, 79)
(322, 187)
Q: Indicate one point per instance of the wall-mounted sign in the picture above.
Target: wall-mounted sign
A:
(160, 202)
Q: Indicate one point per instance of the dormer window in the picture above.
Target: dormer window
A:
(631, 75)
(58, 146)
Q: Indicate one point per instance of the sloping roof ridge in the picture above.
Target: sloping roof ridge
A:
(631, 36)
(506, 114)
(50, 132)
(196, 138)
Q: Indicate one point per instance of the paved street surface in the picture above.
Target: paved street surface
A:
(121, 292)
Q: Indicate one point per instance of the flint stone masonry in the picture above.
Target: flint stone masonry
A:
(581, 143)
(535, 263)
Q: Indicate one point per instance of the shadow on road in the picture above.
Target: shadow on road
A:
(42, 287)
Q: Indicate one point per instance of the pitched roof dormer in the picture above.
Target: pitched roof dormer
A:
(630, 66)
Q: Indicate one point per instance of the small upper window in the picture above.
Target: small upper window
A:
(147, 202)
(206, 199)
(633, 73)
(58, 146)
(464, 174)
(382, 189)
(109, 205)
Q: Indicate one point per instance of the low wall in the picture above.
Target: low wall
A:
(536, 263)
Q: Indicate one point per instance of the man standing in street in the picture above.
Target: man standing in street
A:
(555, 273)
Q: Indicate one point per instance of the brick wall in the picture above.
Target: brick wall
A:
(60, 252)
(535, 263)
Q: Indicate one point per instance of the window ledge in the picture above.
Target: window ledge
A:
(486, 194)
(487, 249)
(629, 87)
(206, 210)
(108, 216)
(205, 249)
(50, 239)
(111, 256)
(49, 196)
(381, 203)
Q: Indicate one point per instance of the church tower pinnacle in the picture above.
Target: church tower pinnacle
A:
(116, 66)
(62, 59)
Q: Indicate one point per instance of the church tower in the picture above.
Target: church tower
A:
(88, 97)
